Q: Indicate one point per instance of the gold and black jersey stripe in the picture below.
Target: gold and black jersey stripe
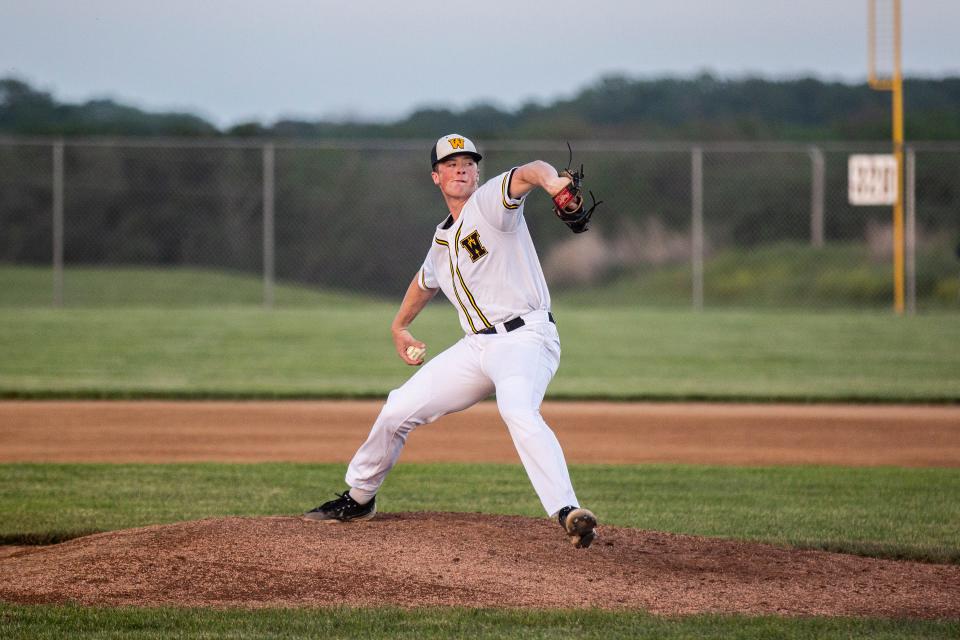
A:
(505, 190)
(466, 290)
(453, 281)
(456, 276)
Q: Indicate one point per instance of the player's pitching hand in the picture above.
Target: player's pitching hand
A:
(409, 348)
(415, 354)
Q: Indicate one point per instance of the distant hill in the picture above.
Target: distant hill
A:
(699, 108)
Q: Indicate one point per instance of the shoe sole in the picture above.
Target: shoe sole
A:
(580, 527)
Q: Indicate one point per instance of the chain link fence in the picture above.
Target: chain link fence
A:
(108, 222)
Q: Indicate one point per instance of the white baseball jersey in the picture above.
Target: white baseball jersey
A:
(485, 261)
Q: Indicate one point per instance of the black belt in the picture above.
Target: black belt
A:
(516, 323)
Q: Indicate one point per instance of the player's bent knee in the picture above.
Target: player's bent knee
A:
(401, 403)
(403, 412)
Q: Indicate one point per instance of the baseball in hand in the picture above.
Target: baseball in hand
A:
(415, 353)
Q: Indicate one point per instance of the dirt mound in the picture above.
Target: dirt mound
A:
(473, 560)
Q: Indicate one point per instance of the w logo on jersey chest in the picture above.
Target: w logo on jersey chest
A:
(473, 246)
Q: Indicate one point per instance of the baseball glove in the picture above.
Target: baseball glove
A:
(568, 203)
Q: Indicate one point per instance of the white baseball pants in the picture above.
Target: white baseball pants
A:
(518, 366)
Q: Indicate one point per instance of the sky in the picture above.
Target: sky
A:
(240, 60)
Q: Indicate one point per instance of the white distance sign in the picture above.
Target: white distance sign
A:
(872, 179)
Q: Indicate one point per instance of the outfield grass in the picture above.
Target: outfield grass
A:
(57, 622)
(346, 350)
(784, 275)
(779, 275)
(193, 333)
(94, 287)
(879, 512)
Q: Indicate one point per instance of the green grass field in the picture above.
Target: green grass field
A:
(347, 351)
(785, 275)
(896, 513)
(55, 623)
(134, 334)
(338, 345)
(92, 287)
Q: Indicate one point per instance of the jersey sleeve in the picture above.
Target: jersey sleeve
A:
(497, 207)
(427, 277)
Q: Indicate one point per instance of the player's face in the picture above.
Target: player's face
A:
(457, 177)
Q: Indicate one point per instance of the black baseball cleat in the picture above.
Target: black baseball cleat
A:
(579, 524)
(343, 509)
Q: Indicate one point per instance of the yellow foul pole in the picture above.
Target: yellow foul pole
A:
(895, 86)
(898, 152)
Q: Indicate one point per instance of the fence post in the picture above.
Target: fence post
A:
(58, 223)
(817, 166)
(696, 227)
(268, 214)
(911, 231)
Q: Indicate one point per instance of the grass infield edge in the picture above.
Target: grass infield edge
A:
(184, 394)
(435, 622)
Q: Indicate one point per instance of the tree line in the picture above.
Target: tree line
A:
(704, 107)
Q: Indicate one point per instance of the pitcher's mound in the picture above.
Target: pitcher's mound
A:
(472, 560)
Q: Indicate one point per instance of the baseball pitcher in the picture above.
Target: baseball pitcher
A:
(482, 257)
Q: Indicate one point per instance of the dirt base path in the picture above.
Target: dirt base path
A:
(473, 560)
(599, 432)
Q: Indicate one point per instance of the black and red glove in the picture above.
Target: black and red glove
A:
(568, 202)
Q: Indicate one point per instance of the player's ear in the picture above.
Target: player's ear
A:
(436, 178)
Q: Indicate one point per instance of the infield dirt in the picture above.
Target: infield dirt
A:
(590, 432)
